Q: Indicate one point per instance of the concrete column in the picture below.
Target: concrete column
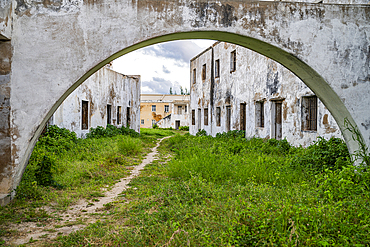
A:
(6, 168)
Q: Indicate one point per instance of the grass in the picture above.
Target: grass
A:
(196, 199)
(228, 191)
(79, 169)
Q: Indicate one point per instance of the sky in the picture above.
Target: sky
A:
(163, 65)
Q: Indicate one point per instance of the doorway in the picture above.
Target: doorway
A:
(277, 120)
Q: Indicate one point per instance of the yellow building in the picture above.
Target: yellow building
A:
(165, 110)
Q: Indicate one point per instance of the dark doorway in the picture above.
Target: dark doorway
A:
(85, 115)
(277, 121)
(109, 114)
(128, 117)
(228, 118)
(177, 124)
(243, 119)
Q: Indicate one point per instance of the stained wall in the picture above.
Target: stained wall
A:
(255, 79)
(105, 87)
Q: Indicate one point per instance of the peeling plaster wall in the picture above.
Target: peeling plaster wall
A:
(256, 78)
(57, 44)
(102, 88)
(6, 13)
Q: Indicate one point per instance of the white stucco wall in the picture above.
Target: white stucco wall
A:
(102, 88)
(256, 78)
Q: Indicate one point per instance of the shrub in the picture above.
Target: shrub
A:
(324, 154)
(185, 128)
(111, 131)
(201, 133)
(155, 126)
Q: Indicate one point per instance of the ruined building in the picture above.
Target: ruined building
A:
(106, 97)
(234, 88)
(165, 110)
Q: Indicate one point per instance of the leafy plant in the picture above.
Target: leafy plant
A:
(185, 128)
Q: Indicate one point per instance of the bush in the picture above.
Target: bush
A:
(155, 126)
(201, 133)
(185, 128)
(110, 131)
(324, 154)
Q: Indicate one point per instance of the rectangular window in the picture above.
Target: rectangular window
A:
(192, 117)
(166, 108)
(154, 108)
(179, 109)
(205, 116)
(233, 61)
(186, 109)
(217, 68)
(309, 113)
(142, 121)
(153, 122)
(109, 114)
(194, 75)
(128, 117)
(85, 115)
(260, 114)
(119, 114)
(204, 72)
(218, 116)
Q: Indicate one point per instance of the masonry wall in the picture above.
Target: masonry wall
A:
(105, 87)
(256, 79)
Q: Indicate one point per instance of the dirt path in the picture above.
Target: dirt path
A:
(79, 215)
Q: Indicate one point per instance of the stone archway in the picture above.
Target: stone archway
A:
(56, 47)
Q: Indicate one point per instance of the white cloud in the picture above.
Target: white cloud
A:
(162, 66)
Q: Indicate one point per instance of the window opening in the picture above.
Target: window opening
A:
(119, 114)
(128, 117)
(85, 115)
(243, 119)
(109, 114)
(260, 114)
(228, 118)
(309, 113)
(194, 75)
(204, 71)
(206, 116)
(179, 110)
(233, 61)
(166, 108)
(192, 117)
(142, 121)
(217, 68)
(154, 108)
(218, 116)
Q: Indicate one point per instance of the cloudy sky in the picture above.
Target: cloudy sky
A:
(162, 66)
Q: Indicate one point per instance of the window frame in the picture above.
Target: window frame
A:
(233, 61)
(154, 107)
(204, 72)
(217, 68)
(205, 116)
(309, 113)
(260, 114)
(218, 116)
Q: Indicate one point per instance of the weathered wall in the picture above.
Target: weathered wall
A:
(102, 88)
(6, 13)
(256, 78)
(58, 44)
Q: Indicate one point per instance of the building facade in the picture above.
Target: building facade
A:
(107, 97)
(234, 88)
(164, 110)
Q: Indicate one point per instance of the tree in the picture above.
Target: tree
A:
(181, 90)
(170, 90)
(186, 91)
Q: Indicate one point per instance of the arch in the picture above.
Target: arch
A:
(329, 58)
(308, 75)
